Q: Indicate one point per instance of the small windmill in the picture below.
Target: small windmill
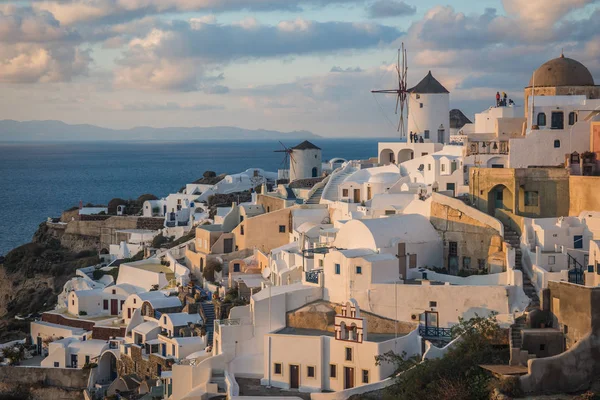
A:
(401, 91)
(288, 158)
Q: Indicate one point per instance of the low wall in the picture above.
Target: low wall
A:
(344, 394)
(571, 371)
(67, 378)
(72, 322)
(514, 222)
(105, 333)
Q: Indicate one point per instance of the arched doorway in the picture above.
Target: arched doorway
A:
(107, 368)
(314, 172)
(405, 155)
(500, 197)
(387, 157)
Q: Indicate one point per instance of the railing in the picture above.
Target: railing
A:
(576, 270)
(313, 276)
(486, 147)
(435, 332)
(226, 322)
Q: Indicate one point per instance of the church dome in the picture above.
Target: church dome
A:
(562, 71)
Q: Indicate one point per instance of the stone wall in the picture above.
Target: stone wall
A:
(320, 315)
(43, 383)
(475, 240)
(106, 333)
(145, 367)
(62, 320)
(583, 194)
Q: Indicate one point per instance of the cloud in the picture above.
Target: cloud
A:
(34, 47)
(167, 106)
(337, 69)
(77, 11)
(183, 55)
(390, 8)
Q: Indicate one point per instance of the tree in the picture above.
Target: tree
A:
(457, 375)
(210, 268)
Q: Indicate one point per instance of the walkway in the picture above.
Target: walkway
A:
(252, 387)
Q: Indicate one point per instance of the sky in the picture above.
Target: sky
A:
(274, 64)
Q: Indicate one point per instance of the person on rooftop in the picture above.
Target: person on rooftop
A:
(497, 99)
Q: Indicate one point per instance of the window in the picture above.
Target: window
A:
(72, 302)
(87, 359)
(541, 119)
(453, 249)
(278, 369)
(310, 372)
(424, 154)
(466, 262)
(418, 96)
(241, 229)
(542, 347)
(572, 118)
(105, 304)
(365, 376)
(241, 218)
(236, 267)
(281, 228)
(578, 242)
(426, 134)
(531, 198)
(557, 120)
(337, 269)
(557, 144)
(344, 192)
(332, 371)
(56, 364)
(443, 166)
(134, 301)
(320, 263)
(173, 349)
(481, 263)
(497, 166)
(433, 304)
(390, 212)
(358, 270)
(428, 167)
(420, 105)
(348, 354)
(551, 260)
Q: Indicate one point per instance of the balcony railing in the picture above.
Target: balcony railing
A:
(313, 276)
(487, 147)
(226, 322)
(435, 332)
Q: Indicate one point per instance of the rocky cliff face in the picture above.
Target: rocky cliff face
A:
(33, 275)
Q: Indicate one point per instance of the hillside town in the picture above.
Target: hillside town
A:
(293, 283)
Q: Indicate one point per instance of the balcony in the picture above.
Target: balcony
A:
(313, 276)
(434, 332)
(226, 322)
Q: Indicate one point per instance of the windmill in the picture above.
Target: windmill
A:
(288, 158)
(401, 91)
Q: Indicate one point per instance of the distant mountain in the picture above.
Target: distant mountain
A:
(59, 131)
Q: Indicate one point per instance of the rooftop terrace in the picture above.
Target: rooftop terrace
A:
(371, 337)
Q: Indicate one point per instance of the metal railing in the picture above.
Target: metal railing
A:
(313, 276)
(435, 332)
(226, 322)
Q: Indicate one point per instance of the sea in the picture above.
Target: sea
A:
(40, 180)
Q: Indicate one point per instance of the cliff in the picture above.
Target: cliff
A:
(33, 275)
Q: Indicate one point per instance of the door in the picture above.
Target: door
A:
(114, 307)
(441, 135)
(129, 313)
(412, 261)
(357, 195)
(450, 186)
(402, 260)
(431, 319)
(39, 344)
(73, 360)
(453, 265)
(294, 377)
(369, 193)
(499, 198)
(314, 172)
(558, 120)
(227, 245)
(348, 378)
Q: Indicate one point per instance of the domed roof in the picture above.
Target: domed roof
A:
(562, 71)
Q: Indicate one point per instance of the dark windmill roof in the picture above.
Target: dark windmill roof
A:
(306, 145)
(458, 119)
(429, 85)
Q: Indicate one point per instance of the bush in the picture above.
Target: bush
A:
(158, 241)
(82, 313)
(457, 375)
(210, 268)
(90, 366)
(146, 197)
(510, 386)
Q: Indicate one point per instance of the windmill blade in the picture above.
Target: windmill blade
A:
(397, 102)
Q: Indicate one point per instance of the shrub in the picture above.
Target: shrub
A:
(158, 241)
(82, 312)
(90, 366)
(510, 386)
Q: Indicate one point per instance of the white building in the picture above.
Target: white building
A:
(429, 110)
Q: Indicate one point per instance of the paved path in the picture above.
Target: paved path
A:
(252, 387)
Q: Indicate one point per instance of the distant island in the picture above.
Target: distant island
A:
(17, 131)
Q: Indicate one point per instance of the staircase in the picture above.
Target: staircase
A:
(315, 198)
(513, 239)
(515, 332)
(218, 378)
(331, 191)
(209, 312)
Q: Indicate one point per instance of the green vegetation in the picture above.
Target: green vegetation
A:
(97, 274)
(210, 268)
(457, 375)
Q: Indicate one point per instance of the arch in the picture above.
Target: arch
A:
(541, 119)
(337, 160)
(343, 331)
(107, 368)
(500, 197)
(387, 156)
(405, 155)
(315, 172)
(104, 251)
(352, 332)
